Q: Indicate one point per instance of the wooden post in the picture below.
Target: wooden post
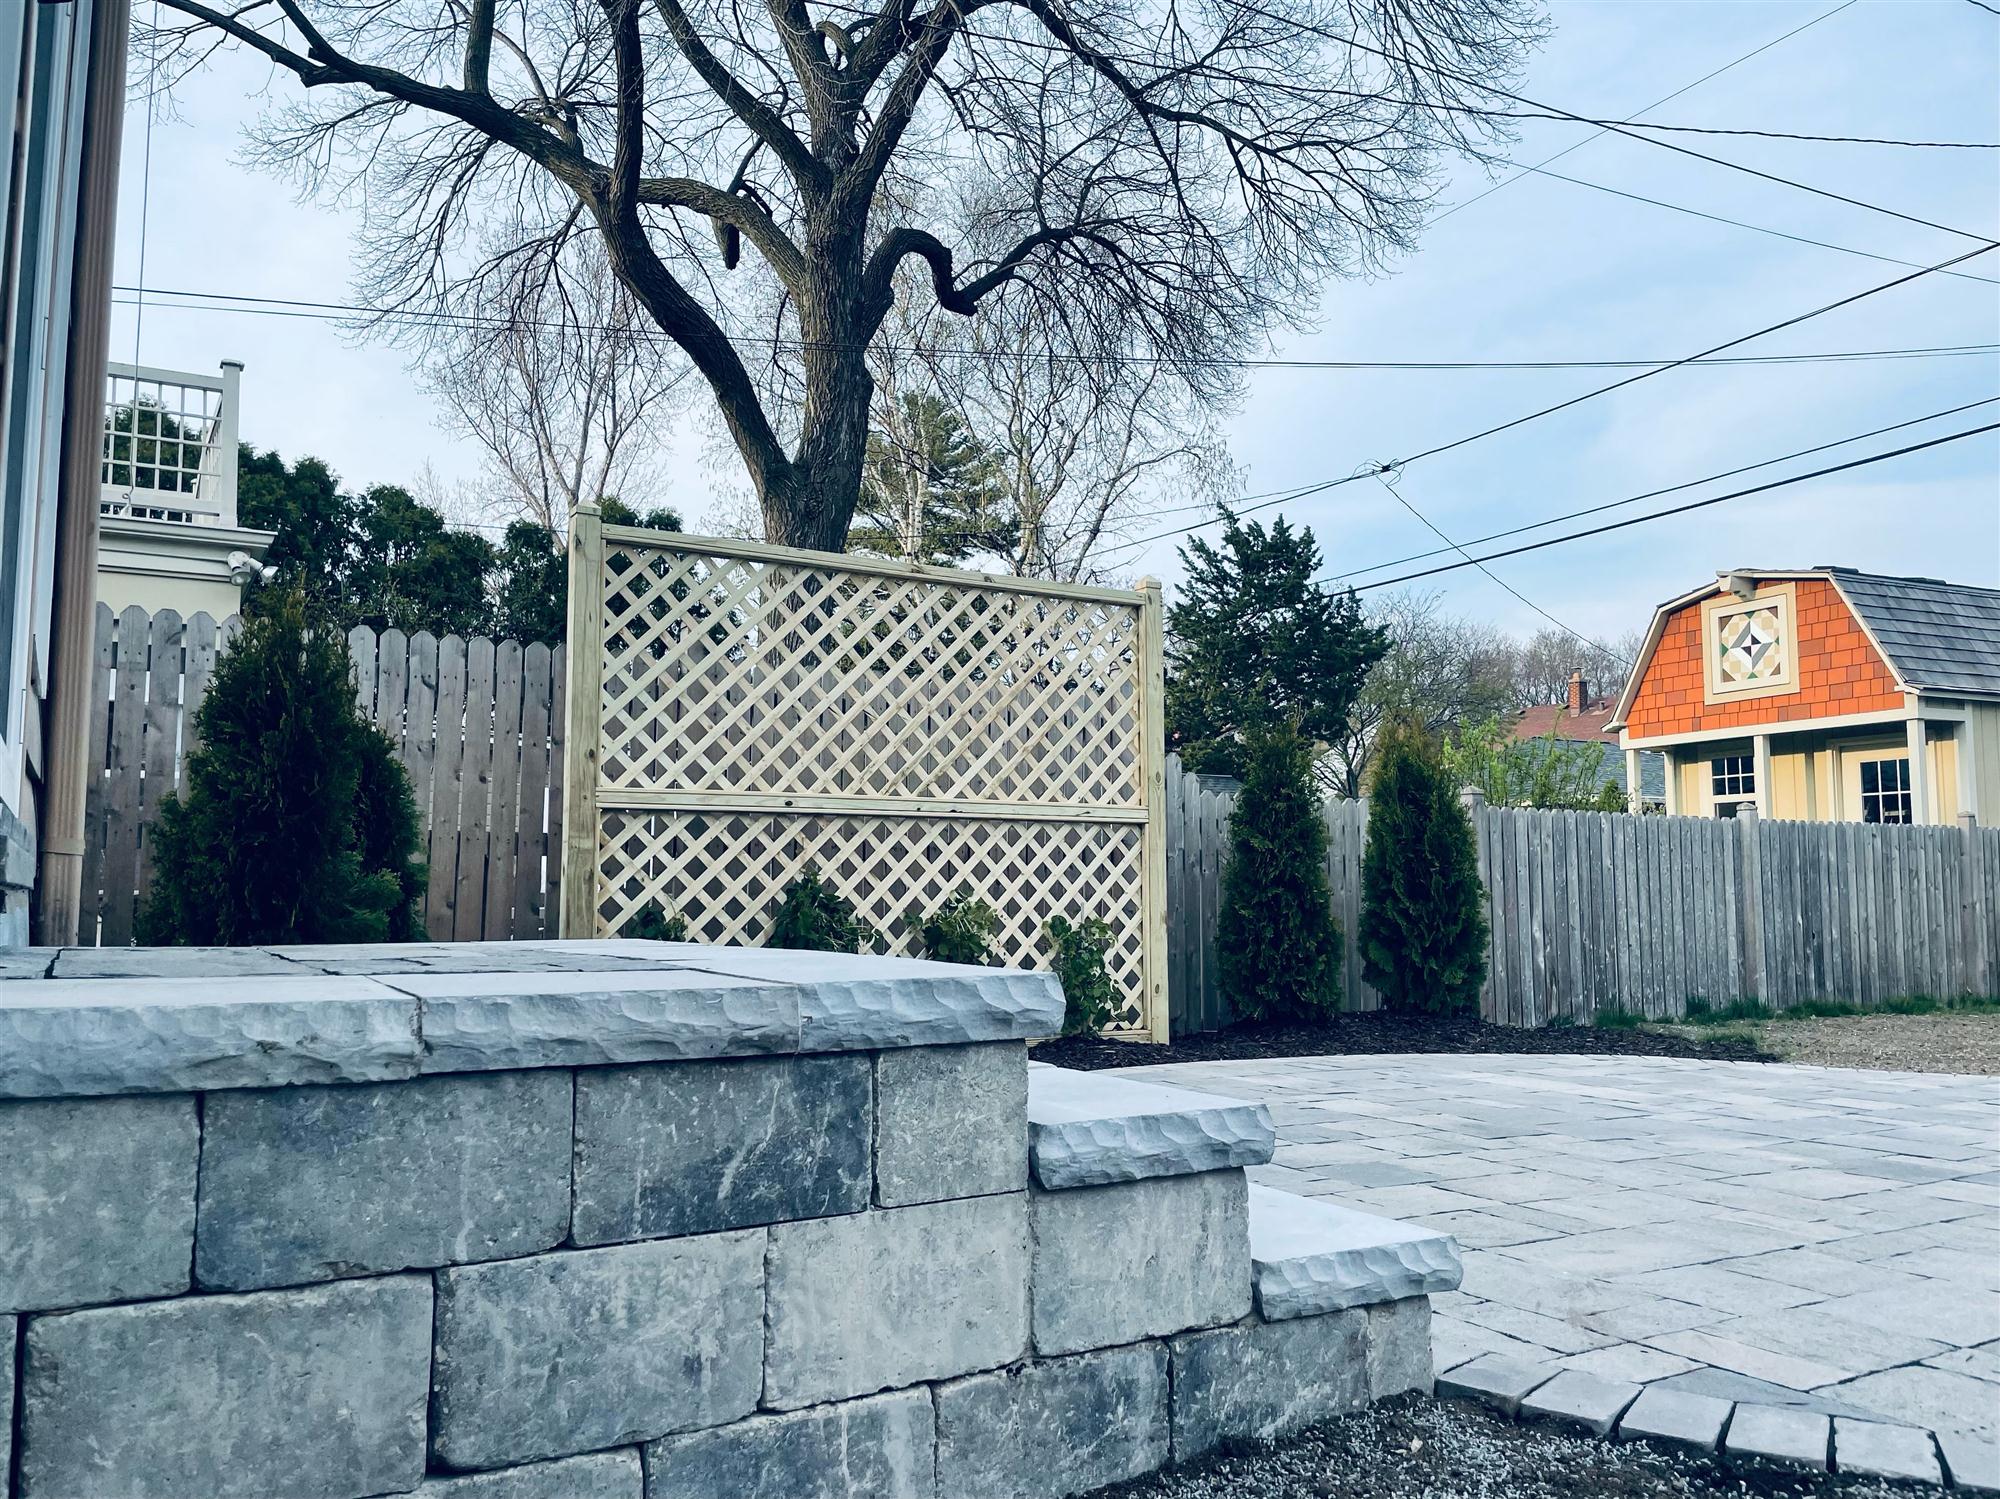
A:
(1153, 764)
(1635, 783)
(1920, 773)
(585, 666)
(1752, 913)
(1974, 902)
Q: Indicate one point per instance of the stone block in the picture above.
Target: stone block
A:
(1495, 1380)
(169, 963)
(1874, 1449)
(7, 1346)
(600, 1475)
(597, 1476)
(1312, 1256)
(1972, 1465)
(571, 1352)
(1088, 1129)
(1399, 1347)
(1675, 1418)
(1782, 1434)
(1259, 1380)
(851, 1002)
(67, 1038)
(1190, 1233)
(96, 1200)
(1580, 1401)
(24, 962)
(879, 1300)
(884, 1447)
(312, 1394)
(950, 1121)
(305, 1184)
(692, 1147)
(481, 1022)
(1054, 1427)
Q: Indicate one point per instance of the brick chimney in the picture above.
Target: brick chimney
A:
(1579, 694)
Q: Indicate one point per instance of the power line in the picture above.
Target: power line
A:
(1663, 99)
(1638, 520)
(1365, 470)
(343, 312)
(1651, 494)
(1494, 577)
(1775, 135)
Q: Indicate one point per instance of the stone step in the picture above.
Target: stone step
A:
(1089, 1129)
(1310, 1256)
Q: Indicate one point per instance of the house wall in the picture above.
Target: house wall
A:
(1983, 720)
(1806, 772)
(1839, 673)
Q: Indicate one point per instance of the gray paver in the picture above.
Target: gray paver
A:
(601, 1475)
(1580, 1400)
(1675, 1418)
(1786, 1235)
(1495, 1380)
(1875, 1450)
(1974, 1465)
(1779, 1434)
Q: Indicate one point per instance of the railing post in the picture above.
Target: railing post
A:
(226, 440)
(582, 707)
(1153, 762)
(1755, 982)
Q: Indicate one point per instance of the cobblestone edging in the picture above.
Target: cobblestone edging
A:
(1781, 1435)
(614, 1225)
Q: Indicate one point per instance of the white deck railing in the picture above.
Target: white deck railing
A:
(170, 445)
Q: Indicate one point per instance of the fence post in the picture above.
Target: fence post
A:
(585, 667)
(1754, 979)
(1153, 760)
(1474, 801)
(1975, 900)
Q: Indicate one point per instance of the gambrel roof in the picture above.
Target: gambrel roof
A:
(1938, 636)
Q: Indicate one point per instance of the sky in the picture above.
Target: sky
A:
(1539, 270)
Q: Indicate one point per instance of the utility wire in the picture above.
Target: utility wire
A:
(1638, 520)
(334, 312)
(1365, 470)
(1651, 494)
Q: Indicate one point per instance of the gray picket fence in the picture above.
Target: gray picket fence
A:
(478, 724)
(1596, 911)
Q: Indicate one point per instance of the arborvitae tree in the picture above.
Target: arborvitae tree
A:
(1276, 934)
(1254, 641)
(295, 823)
(1423, 910)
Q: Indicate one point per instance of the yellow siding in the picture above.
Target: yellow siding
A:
(1791, 794)
(1944, 779)
(1984, 722)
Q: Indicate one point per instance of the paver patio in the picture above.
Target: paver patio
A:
(1786, 1235)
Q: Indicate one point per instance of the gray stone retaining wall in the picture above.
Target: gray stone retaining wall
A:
(808, 1276)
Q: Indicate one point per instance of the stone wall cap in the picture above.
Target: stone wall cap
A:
(169, 1020)
(1088, 1129)
(1310, 1256)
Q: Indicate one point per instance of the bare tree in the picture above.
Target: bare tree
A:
(1174, 181)
(1545, 661)
(562, 382)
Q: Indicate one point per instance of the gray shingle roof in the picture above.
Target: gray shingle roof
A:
(1939, 637)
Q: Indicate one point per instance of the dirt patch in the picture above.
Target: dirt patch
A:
(1417, 1448)
(1966, 1044)
(1380, 1033)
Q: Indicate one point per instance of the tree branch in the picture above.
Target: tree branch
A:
(762, 121)
(734, 208)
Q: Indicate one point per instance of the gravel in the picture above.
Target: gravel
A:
(1382, 1033)
(1418, 1448)
(1968, 1044)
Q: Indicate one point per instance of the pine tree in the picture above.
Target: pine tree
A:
(1254, 641)
(1423, 910)
(1276, 933)
(295, 822)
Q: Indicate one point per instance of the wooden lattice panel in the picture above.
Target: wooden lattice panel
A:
(724, 872)
(732, 673)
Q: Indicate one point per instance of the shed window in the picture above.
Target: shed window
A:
(1733, 778)
(1885, 789)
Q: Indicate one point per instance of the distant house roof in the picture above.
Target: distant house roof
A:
(1932, 635)
(1546, 718)
(1938, 636)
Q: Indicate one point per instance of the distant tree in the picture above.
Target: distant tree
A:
(1548, 772)
(318, 538)
(930, 488)
(1545, 661)
(1253, 642)
(1276, 936)
(1423, 910)
(415, 572)
(295, 823)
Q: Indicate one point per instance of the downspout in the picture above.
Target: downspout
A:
(68, 751)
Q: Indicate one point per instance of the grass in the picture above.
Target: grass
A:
(1703, 1012)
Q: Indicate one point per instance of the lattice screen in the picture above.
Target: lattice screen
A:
(907, 732)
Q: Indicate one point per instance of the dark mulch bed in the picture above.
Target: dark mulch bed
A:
(1377, 1033)
(1416, 1448)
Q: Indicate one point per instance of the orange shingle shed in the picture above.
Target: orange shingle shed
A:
(1823, 693)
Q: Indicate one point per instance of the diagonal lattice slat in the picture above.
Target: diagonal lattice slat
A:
(724, 872)
(727, 674)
